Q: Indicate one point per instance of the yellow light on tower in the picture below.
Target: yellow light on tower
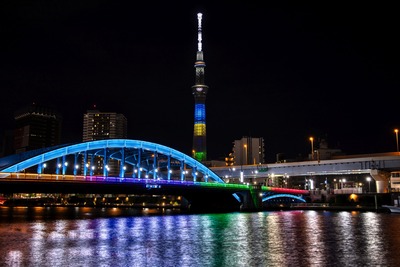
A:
(312, 147)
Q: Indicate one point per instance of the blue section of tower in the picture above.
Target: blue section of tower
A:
(199, 91)
(200, 113)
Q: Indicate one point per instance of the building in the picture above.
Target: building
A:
(230, 159)
(99, 125)
(323, 152)
(36, 127)
(248, 150)
(199, 90)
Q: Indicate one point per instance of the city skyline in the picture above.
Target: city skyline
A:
(283, 73)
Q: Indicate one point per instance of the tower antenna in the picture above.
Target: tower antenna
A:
(199, 37)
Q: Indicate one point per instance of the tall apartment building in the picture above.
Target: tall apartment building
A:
(248, 150)
(104, 125)
(36, 127)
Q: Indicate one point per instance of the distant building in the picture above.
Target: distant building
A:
(323, 152)
(229, 160)
(103, 125)
(36, 127)
(248, 150)
(100, 126)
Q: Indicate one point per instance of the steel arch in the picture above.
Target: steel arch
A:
(125, 144)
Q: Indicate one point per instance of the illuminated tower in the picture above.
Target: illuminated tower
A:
(199, 91)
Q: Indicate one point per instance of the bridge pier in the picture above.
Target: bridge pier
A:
(381, 180)
(252, 199)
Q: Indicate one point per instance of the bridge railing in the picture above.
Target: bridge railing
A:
(111, 179)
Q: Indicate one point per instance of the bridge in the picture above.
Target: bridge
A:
(378, 166)
(124, 166)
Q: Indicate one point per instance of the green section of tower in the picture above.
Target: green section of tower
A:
(200, 156)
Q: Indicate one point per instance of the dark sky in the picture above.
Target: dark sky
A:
(282, 72)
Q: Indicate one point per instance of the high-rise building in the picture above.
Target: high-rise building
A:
(199, 91)
(103, 125)
(36, 127)
(248, 150)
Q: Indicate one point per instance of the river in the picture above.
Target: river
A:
(60, 236)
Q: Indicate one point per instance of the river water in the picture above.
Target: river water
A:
(122, 237)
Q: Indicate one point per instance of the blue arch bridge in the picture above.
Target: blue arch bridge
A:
(124, 166)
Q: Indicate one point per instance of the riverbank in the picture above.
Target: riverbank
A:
(327, 207)
(342, 208)
(368, 202)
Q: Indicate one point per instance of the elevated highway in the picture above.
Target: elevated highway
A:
(378, 166)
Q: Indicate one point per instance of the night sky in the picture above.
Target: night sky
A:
(281, 72)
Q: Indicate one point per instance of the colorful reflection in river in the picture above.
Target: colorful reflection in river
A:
(279, 238)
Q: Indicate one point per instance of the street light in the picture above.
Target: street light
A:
(312, 148)
(342, 183)
(396, 131)
(369, 184)
(245, 151)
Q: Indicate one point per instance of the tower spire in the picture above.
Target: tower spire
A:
(199, 37)
(199, 90)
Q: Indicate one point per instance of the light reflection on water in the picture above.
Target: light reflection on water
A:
(279, 238)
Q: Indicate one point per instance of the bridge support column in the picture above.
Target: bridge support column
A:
(381, 180)
(252, 199)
